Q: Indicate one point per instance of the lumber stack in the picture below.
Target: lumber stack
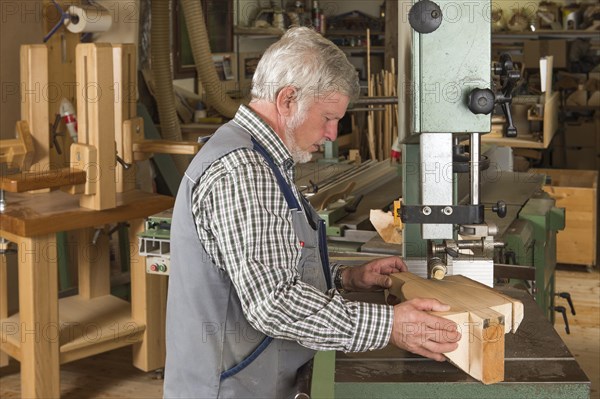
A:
(382, 121)
(482, 314)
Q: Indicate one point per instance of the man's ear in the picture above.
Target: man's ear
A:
(287, 101)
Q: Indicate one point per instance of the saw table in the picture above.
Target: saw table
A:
(537, 365)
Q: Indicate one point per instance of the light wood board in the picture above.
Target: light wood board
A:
(483, 317)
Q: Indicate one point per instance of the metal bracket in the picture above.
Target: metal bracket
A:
(442, 214)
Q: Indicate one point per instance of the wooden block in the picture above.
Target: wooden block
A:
(18, 152)
(85, 157)
(166, 147)
(38, 310)
(34, 103)
(93, 262)
(482, 315)
(125, 83)
(28, 181)
(95, 116)
(133, 132)
(3, 299)
(148, 306)
(576, 191)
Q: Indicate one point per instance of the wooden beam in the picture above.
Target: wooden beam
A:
(18, 152)
(38, 310)
(391, 33)
(483, 316)
(3, 297)
(148, 306)
(95, 118)
(125, 76)
(34, 102)
(61, 72)
(27, 181)
(167, 147)
(93, 262)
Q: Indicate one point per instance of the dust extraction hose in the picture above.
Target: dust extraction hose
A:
(194, 18)
(163, 78)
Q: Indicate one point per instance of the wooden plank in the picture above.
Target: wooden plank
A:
(95, 110)
(19, 152)
(167, 147)
(3, 300)
(29, 215)
(91, 326)
(550, 117)
(61, 71)
(148, 306)
(576, 191)
(27, 181)
(38, 309)
(34, 103)
(93, 262)
(482, 315)
(125, 77)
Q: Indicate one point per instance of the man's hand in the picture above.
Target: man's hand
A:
(422, 333)
(372, 276)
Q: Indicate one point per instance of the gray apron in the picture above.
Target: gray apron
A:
(212, 351)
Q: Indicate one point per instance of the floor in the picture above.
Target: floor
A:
(110, 375)
(584, 340)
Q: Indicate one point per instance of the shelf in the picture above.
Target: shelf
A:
(86, 327)
(550, 125)
(546, 34)
(258, 32)
(29, 215)
(354, 33)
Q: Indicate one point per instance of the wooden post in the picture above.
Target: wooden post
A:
(38, 309)
(3, 298)
(125, 77)
(93, 262)
(370, 122)
(61, 71)
(34, 102)
(95, 117)
(148, 306)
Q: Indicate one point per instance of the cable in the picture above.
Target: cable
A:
(63, 17)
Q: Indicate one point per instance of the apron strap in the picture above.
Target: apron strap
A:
(285, 188)
(293, 204)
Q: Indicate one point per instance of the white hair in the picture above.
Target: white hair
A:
(307, 61)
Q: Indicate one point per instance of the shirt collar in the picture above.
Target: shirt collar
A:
(265, 135)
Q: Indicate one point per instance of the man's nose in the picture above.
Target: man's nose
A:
(331, 131)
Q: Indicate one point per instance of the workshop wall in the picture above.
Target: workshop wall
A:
(20, 23)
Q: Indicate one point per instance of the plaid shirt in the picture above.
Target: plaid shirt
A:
(246, 227)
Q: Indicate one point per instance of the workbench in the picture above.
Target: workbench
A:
(537, 365)
(48, 332)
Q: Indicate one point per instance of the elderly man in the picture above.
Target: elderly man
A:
(252, 295)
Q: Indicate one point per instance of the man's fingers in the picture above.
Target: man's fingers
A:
(437, 347)
(384, 282)
(431, 355)
(430, 304)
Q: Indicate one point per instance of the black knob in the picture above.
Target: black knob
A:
(425, 16)
(481, 101)
(500, 208)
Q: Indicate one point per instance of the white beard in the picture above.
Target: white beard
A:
(298, 155)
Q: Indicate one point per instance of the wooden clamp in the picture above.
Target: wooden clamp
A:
(95, 115)
(136, 148)
(18, 152)
(33, 180)
(482, 314)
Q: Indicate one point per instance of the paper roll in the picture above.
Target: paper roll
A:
(86, 19)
